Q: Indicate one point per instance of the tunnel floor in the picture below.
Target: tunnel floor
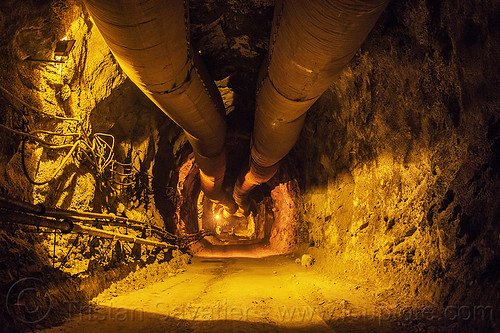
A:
(273, 294)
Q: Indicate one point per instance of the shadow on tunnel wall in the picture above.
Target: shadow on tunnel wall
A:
(165, 177)
(398, 160)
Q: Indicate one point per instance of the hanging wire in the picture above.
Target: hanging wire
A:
(54, 253)
(38, 111)
(97, 148)
(69, 251)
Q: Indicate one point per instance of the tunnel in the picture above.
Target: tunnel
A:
(249, 166)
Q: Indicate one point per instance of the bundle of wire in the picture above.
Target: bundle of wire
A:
(97, 148)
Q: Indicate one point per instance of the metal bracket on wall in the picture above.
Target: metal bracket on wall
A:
(62, 50)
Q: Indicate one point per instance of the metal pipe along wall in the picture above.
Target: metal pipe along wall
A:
(150, 41)
(311, 42)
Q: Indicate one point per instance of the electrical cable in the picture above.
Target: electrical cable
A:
(94, 148)
(69, 251)
(38, 111)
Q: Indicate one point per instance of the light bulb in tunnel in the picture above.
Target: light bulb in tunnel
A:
(217, 217)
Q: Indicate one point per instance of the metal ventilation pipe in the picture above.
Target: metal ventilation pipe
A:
(150, 41)
(311, 42)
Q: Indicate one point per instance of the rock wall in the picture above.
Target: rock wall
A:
(399, 158)
(90, 87)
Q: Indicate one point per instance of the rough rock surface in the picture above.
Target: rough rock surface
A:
(399, 158)
(91, 87)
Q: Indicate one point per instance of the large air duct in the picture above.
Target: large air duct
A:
(150, 41)
(311, 42)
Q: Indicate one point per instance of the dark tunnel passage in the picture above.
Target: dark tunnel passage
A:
(250, 166)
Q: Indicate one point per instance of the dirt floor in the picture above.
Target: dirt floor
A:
(272, 294)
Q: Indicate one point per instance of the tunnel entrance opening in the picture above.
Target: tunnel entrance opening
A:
(270, 229)
(228, 228)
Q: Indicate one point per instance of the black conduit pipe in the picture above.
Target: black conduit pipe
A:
(150, 41)
(68, 226)
(311, 42)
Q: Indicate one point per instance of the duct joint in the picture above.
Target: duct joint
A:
(299, 99)
(189, 64)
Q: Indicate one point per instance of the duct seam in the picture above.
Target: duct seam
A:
(190, 57)
(285, 97)
(175, 89)
(279, 15)
(311, 42)
(165, 72)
